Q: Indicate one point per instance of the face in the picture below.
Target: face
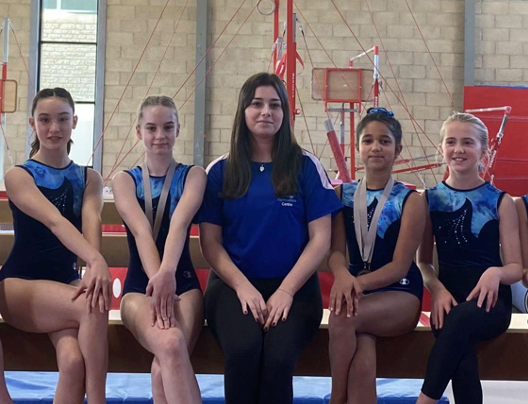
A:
(264, 115)
(377, 147)
(53, 122)
(461, 147)
(158, 129)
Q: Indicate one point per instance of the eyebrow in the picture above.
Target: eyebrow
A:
(166, 123)
(382, 136)
(262, 99)
(60, 113)
(464, 138)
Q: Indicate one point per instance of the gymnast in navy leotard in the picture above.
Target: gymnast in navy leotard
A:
(379, 293)
(137, 279)
(36, 247)
(470, 220)
(522, 210)
(386, 237)
(162, 303)
(56, 208)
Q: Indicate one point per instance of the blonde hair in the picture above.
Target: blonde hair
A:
(155, 100)
(462, 117)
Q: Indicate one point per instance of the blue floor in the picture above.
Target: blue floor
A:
(38, 388)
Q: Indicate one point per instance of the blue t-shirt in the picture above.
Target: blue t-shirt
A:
(265, 235)
(387, 233)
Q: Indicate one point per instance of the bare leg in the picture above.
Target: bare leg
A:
(70, 388)
(383, 314)
(46, 307)
(362, 375)
(4, 395)
(158, 394)
(171, 347)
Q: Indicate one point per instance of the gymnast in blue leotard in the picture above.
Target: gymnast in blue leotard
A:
(56, 208)
(379, 293)
(162, 304)
(471, 221)
(522, 210)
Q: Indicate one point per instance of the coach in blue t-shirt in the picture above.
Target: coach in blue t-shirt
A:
(265, 228)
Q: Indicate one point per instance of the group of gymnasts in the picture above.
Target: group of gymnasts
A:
(268, 216)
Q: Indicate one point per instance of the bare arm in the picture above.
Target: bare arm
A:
(409, 238)
(319, 231)
(337, 261)
(92, 207)
(217, 257)
(188, 205)
(512, 269)
(523, 231)
(219, 260)
(23, 192)
(128, 207)
(425, 255)
(442, 301)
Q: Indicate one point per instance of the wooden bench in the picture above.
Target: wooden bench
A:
(504, 358)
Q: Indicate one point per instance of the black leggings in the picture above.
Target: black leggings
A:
(259, 365)
(454, 357)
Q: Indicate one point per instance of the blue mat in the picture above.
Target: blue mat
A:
(134, 388)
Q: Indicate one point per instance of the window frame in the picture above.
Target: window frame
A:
(34, 74)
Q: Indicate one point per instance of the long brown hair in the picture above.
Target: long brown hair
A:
(286, 153)
(49, 93)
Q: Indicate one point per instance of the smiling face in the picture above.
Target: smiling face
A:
(461, 147)
(264, 115)
(158, 128)
(377, 147)
(53, 121)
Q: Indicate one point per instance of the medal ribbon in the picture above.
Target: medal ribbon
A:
(155, 224)
(366, 237)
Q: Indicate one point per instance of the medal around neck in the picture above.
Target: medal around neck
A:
(155, 223)
(365, 235)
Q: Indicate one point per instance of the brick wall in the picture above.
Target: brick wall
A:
(500, 46)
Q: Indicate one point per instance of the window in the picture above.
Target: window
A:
(68, 57)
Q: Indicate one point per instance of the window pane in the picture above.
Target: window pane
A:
(80, 5)
(49, 4)
(66, 26)
(83, 134)
(71, 67)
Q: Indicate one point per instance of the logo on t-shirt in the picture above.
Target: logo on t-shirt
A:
(287, 201)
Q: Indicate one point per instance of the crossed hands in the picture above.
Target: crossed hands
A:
(266, 313)
(161, 291)
(346, 290)
(97, 286)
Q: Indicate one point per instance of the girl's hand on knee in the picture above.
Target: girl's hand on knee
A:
(278, 305)
(487, 288)
(250, 297)
(346, 288)
(162, 290)
(96, 283)
(441, 305)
